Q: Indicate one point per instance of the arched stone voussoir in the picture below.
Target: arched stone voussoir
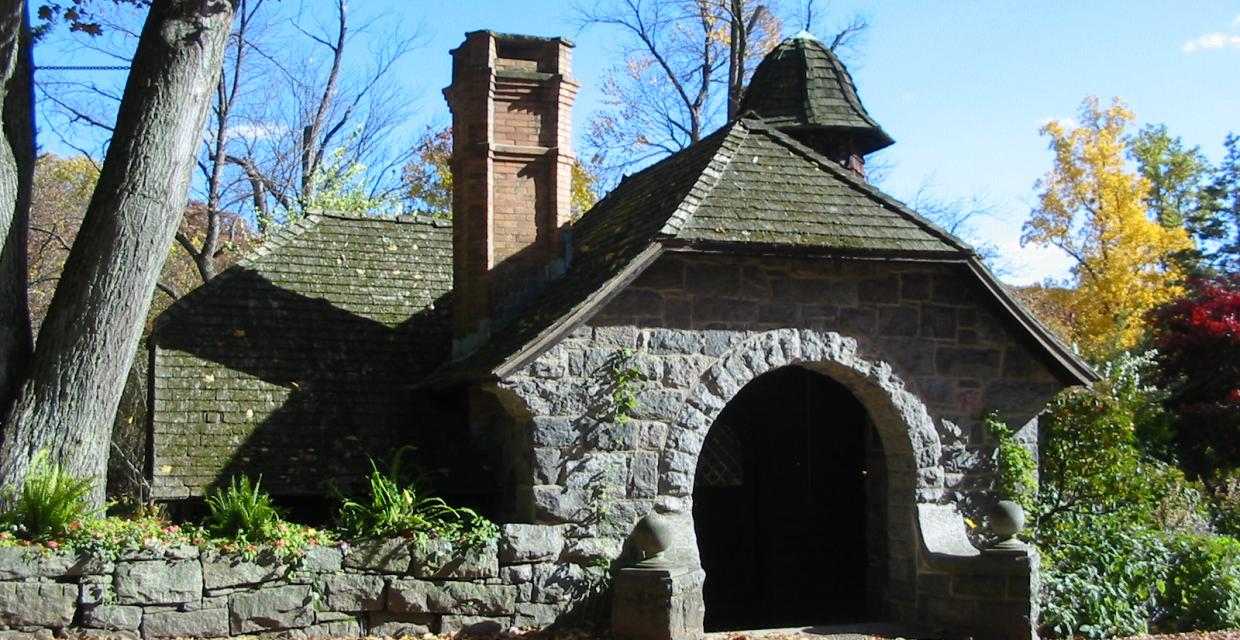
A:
(904, 424)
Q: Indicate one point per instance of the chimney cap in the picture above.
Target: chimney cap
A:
(519, 37)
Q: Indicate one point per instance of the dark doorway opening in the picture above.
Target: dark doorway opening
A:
(785, 495)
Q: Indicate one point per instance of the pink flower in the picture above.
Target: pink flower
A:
(281, 544)
(52, 544)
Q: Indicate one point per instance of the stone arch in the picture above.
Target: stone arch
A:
(905, 427)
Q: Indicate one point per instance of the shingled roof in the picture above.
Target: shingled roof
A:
(748, 187)
(802, 85)
(310, 345)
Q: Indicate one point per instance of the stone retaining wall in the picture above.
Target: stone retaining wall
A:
(373, 587)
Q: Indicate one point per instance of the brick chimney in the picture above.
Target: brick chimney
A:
(511, 99)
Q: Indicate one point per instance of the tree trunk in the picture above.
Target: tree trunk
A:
(16, 174)
(95, 320)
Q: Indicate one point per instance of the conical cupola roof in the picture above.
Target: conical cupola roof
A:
(802, 86)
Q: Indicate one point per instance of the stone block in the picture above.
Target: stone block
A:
(21, 563)
(547, 462)
(95, 590)
(559, 583)
(658, 404)
(553, 432)
(353, 592)
(271, 608)
(553, 504)
(471, 599)
(473, 625)
(967, 361)
(441, 559)
(171, 552)
(109, 616)
(409, 596)
(185, 624)
(591, 550)
(659, 604)
(322, 560)
(220, 570)
(914, 287)
(399, 625)
(531, 615)
(938, 321)
(381, 555)
(342, 628)
(158, 581)
(858, 321)
(38, 604)
(644, 475)
(898, 321)
(879, 291)
(516, 574)
(981, 587)
(530, 543)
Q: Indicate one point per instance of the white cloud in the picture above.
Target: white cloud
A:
(1236, 22)
(258, 131)
(1217, 40)
(1066, 123)
(1031, 264)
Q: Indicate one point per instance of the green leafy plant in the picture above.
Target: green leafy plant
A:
(242, 512)
(624, 376)
(1016, 472)
(1101, 576)
(48, 503)
(1203, 586)
(399, 505)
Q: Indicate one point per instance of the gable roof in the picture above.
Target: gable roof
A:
(295, 362)
(801, 84)
(383, 272)
(746, 187)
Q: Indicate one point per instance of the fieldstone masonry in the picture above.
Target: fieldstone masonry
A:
(373, 587)
(908, 339)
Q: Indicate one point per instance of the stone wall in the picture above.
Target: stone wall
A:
(396, 587)
(922, 346)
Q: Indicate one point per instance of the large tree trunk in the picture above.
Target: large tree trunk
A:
(16, 171)
(96, 317)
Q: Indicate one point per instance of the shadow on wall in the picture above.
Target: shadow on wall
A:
(303, 392)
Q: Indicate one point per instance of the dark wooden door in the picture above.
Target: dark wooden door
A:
(779, 505)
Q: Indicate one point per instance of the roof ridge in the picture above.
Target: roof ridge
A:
(278, 238)
(864, 187)
(417, 218)
(712, 172)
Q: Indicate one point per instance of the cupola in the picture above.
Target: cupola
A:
(802, 88)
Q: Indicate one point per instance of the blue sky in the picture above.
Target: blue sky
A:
(962, 86)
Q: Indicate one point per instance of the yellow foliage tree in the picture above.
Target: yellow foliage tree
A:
(1092, 207)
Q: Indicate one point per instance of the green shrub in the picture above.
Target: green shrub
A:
(48, 503)
(1101, 576)
(1015, 469)
(398, 505)
(1225, 506)
(241, 512)
(1203, 584)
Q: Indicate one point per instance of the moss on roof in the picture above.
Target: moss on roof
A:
(296, 362)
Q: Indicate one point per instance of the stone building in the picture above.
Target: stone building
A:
(790, 365)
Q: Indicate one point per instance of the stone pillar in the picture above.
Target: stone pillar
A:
(511, 99)
(658, 603)
(990, 594)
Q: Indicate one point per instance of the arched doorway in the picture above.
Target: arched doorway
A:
(788, 506)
